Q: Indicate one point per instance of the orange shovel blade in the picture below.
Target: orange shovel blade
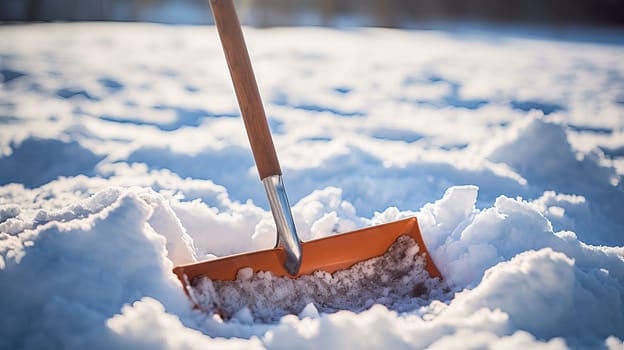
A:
(327, 254)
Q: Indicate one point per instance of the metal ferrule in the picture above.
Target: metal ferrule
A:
(286, 231)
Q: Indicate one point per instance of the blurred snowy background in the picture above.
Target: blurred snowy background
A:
(386, 13)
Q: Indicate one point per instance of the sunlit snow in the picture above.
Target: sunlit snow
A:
(122, 154)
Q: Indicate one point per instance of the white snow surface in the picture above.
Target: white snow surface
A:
(122, 155)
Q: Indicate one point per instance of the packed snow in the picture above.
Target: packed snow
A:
(122, 155)
(396, 279)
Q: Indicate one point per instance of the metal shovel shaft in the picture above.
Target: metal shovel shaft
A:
(286, 230)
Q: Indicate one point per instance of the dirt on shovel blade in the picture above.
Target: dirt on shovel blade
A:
(397, 279)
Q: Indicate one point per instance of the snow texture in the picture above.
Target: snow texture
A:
(122, 155)
(397, 279)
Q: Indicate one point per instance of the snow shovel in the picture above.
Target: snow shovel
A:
(290, 257)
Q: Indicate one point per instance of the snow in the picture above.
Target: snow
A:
(122, 155)
(397, 279)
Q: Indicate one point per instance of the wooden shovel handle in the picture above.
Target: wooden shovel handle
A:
(245, 86)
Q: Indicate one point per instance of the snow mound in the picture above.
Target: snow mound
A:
(397, 279)
(540, 150)
(544, 292)
(146, 325)
(82, 271)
